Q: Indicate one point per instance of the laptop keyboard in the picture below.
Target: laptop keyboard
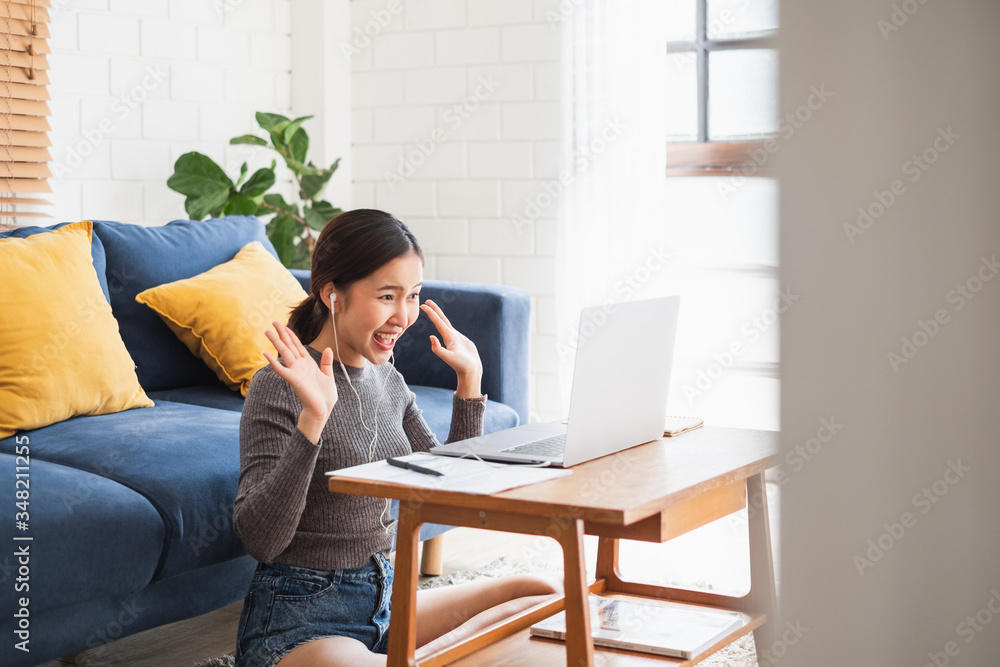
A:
(554, 446)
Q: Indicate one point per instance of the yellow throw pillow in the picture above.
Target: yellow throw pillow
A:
(222, 314)
(60, 351)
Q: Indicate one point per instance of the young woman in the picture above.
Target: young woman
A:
(320, 594)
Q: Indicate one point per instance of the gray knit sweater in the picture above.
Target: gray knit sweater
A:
(284, 511)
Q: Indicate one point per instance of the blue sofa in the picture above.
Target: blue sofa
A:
(131, 513)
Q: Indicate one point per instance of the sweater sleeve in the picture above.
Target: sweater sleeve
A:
(466, 422)
(276, 466)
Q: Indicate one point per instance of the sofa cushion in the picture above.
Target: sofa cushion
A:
(207, 395)
(96, 249)
(60, 349)
(221, 315)
(436, 406)
(184, 459)
(143, 257)
(91, 536)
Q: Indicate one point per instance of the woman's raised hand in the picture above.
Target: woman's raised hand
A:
(313, 384)
(457, 351)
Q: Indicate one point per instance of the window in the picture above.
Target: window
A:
(722, 83)
(24, 142)
(722, 109)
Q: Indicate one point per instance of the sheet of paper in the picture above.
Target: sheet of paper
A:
(466, 475)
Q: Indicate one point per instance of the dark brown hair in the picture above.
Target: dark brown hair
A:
(352, 246)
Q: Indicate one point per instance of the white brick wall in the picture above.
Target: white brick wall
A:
(458, 98)
(136, 83)
(456, 123)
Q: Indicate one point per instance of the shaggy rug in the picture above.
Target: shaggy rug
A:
(740, 653)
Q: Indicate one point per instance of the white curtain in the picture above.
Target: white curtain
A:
(614, 102)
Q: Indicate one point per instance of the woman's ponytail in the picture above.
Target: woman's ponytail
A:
(307, 318)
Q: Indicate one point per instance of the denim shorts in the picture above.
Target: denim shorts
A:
(288, 606)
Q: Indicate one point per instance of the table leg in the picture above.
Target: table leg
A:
(403, 628)
(762, 596)
(579, 643)
(433, 557)
(607, 563)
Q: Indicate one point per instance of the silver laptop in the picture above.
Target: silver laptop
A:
(619, 396)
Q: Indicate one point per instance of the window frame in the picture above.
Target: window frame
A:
(702, 156)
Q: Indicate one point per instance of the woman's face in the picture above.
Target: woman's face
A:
(377, 310)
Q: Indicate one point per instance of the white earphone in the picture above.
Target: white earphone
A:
(374, 432)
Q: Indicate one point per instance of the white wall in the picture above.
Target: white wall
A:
(137, 83)
(467, 95)
(721, 235)
(890, 538)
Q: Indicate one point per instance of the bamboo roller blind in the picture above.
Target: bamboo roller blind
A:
(24, 109)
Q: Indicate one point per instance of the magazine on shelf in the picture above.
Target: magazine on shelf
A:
(665, 628)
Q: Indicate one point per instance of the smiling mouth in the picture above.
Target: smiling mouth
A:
(386, 341)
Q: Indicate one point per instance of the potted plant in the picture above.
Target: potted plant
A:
(210, 192)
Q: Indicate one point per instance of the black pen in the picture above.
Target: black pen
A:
(410, 465)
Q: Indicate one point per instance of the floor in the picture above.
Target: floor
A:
(715, 555)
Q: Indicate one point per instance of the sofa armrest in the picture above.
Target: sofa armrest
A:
(497, 318)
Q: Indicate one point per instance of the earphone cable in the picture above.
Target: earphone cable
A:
(374, 440)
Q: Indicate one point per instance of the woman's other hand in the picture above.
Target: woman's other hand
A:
(313, 384)
(457, 351)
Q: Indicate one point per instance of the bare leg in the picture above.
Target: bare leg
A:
(480, 621)
(332, 652)
(441, 610)
(444, 616)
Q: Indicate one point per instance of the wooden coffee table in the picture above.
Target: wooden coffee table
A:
(653, 492)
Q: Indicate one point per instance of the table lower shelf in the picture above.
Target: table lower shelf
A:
(522, 649)
(509, 643)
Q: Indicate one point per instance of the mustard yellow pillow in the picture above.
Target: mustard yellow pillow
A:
(222, 314)
(60, 351)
